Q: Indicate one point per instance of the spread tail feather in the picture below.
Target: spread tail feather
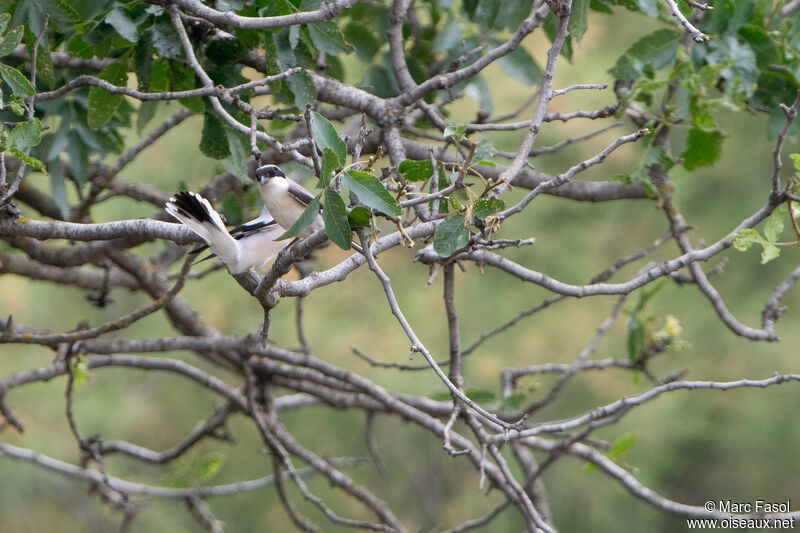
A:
(196, 213)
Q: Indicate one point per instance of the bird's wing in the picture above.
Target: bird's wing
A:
(297, 192)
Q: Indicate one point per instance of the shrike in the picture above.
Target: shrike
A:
(251, 245)
(285, 199)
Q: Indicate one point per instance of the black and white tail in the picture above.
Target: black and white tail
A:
(196, 213)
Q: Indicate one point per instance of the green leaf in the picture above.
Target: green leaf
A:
(122, 23)
(208, 467)
(578, 19)
(512, 401)
(449, 37)
(774, 224)
(232, 209)
(26, 134)
(521, 66)
(746, 238)
(657, 49)
(769, 253)
(103, 104)
(165, 40)
(160, 76)
(11, 40)
(358, 217)
(455, 130)
(371, 192)
(325, 136)
(636, 337)
(481, 395)
(143, 60)
(147, 110)
(486, 15)
(483, 152)
(624, 443)
(762, 44)
(303, 89)
(327, 37)
(451, 235)
(416, 170)
(363, 39)
(19, 84)
(214, 140)
(5, 18)
(796, 160)
(334, 214)
(44, 60)
(330, 162)
(703, 148)
(303, 221)
(236, 162)
(486, 207)
(28, 160)
(80, 370)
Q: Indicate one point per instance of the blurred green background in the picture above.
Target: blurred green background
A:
(692, 446)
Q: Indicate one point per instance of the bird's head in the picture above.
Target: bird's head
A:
(268, 172)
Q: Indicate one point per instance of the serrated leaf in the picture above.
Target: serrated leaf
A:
(17, 81)
(103, 104)
(334, 214)
(451, 235)
(703, 148)
(486, 207)
(26, 134)
(325, 136)
(358, 217)
(623, 444)
(303, 221)
(330, 162)
(371, 192)
(774, 224)
(28, 160)
(416, 170)
(122, 23)
(327, 38)
(214, 140)
(11, 40)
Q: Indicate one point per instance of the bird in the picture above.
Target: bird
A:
(249, 246)
(285, 199)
